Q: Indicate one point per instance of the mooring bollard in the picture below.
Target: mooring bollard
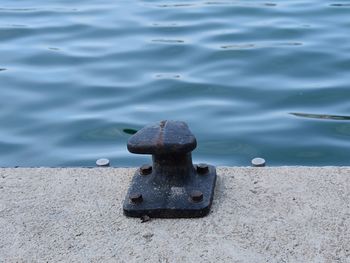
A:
(172, 187)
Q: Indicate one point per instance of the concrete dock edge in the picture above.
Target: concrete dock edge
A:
(270, 214)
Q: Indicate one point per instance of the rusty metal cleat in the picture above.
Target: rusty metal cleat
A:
(172, 187)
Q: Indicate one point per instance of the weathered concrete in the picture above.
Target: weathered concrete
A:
(285, 214)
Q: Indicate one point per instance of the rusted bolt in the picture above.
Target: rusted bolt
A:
(136, 198)
(196, 196)
(202, 168)
(146, 169)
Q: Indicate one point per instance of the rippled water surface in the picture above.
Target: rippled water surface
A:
(251, 78)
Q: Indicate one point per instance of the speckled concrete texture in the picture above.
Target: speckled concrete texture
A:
(282, 214)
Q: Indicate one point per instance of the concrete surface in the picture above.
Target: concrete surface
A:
(285, 214)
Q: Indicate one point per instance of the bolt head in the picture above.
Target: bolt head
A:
(258, 162)
(196, 196)
(103, 162)
(202, 168)
(136, 197)
(146, 169)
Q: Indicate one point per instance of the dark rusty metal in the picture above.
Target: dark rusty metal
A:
(196, 196)
(136, 197)
(172, 178)
(146, 169)
(202, 168)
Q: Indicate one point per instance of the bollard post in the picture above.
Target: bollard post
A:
(170, 187)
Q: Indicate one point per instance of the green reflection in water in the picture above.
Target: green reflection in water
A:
(129, 131)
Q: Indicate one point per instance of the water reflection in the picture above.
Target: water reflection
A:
(167, 76)
(238, 46)
(348, 5)
(168, 40)
(321, 116)
(130, 131)
(252, 46)
(175, 5)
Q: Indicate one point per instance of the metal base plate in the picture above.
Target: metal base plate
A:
(170, 197)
